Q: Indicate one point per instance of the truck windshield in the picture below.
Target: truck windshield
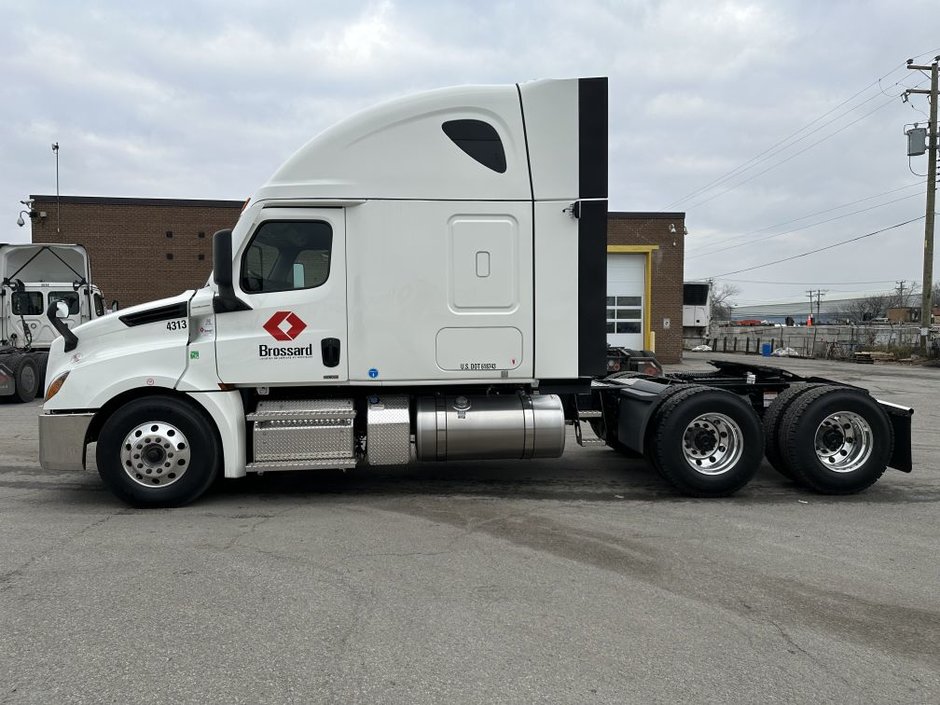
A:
(69, 297)
(27, 303)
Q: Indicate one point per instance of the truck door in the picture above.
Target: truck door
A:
(291, 270)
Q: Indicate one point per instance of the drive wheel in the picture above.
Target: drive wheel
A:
(26, 378)
(773, 418)
(158, 452)
(836, 440)
(706, 442)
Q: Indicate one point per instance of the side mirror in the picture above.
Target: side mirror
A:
(225, 300)
(55, 313)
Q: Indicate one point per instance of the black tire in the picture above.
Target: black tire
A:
(824, 436)
(665, 398)
(152, 477)
(41, 358)
(26, 378)
(685, 425)
(773, 417)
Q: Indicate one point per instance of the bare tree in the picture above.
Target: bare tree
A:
(867, 308)
(904, 297)
(722, 300)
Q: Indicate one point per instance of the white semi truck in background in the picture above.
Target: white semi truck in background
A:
(33, 276)
(426, 280)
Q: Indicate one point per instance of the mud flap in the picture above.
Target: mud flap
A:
(900, 417)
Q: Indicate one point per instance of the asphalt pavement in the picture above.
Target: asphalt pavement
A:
(578, 580)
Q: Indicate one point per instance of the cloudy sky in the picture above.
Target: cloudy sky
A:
(775, 125)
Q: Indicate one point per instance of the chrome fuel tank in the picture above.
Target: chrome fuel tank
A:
(467, 427)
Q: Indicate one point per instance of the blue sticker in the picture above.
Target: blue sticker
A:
(373, 373)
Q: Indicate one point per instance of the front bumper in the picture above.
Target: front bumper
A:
(62, 441)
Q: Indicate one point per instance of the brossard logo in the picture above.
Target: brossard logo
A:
(285, 326)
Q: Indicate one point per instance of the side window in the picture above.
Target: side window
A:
(479, 140)
(287, 255)
(69, 297)
(27, 303)
(99, 305)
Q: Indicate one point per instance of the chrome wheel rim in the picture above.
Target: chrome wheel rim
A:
(843, 441)
(712, 444)
(155, 454)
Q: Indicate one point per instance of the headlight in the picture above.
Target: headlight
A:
(56, 385)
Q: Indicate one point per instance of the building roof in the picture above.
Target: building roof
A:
(112, 201)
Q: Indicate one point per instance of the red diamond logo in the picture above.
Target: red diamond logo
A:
(284, 325)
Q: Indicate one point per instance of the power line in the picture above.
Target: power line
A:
(741, 166)
(820, 249)
(792, 156)
(822, 212)
(782, 144)
(751, 162)
(764, 281)
(805, 227)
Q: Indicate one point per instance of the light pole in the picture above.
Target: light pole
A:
(58, 210)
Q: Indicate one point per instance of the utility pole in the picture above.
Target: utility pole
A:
(927, 284)
(818, 293)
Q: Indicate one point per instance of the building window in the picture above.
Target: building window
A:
(287, 255)
(200, 257)
(624, 314)
(169, 233)
(201, 235)
(479, 140)
(169, 255)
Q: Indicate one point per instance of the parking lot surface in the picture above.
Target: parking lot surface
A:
(578, 580)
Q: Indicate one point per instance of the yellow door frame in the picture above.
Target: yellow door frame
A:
(647, 285)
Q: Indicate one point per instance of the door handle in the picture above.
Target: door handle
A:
(330, 350)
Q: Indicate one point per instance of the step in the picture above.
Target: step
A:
(284, 465)
(588, 438)
(303, 409)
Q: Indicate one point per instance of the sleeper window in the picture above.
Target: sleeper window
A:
(479, 140)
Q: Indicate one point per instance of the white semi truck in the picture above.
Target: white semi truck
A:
(33, 276)
(426, 280)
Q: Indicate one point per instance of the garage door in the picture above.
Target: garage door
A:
(626, 286)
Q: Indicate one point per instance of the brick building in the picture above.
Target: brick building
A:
(646, 253)
(149, 248)
(141, 249)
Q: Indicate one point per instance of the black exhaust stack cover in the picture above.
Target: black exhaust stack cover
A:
(592, 227)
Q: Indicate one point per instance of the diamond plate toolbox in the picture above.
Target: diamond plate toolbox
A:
(303, 429)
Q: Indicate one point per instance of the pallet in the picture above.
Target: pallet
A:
(869, 358)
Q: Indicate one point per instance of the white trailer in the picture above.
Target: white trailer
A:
(696, 309)
(426, 280)
(32, 277)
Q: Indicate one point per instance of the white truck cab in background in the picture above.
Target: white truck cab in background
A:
(34, 277)
(425, 279)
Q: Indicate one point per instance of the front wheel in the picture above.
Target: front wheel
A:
(706, 442)
(158, 451)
